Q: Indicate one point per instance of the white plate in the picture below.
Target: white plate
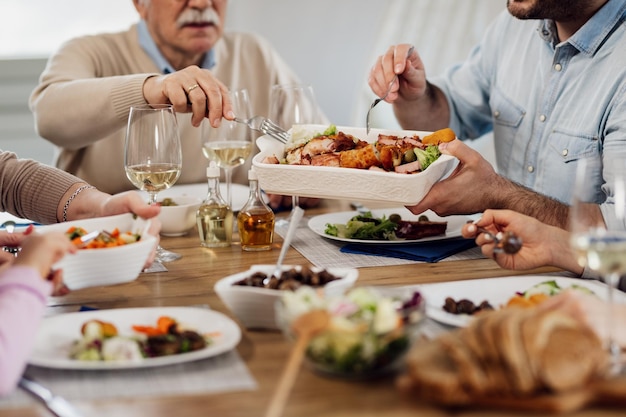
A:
(496, 291)
(57, 334)
(347, 183)
(240, 193)
(455, 224)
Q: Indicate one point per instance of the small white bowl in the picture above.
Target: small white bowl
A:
(178, 220)
(104, 266)
(255, 306)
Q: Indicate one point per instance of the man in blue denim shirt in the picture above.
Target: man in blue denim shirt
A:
(549, 79)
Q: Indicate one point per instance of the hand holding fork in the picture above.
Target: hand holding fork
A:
(378, 100)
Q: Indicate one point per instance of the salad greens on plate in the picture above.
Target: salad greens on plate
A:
(366, 227)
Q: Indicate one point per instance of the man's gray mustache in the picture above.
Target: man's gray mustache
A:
(194, 16)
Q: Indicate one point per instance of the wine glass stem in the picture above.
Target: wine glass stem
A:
(152, 197)
(295, 201)
(612, 281)
(228, 173)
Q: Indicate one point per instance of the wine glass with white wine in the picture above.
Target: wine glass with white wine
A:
(153, 154)
(598, 247)
(230, 144)
(293, 104)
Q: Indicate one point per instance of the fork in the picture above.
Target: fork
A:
(378, 100)
(265, 126)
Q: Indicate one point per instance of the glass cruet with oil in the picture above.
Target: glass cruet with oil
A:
(256, 219)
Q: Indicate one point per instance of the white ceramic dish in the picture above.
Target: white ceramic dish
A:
(178, 220)
(496, 291)
(57, 333)
(255, 306)
(240, 193)
(455, 224)
(347, 183)
(106, 266)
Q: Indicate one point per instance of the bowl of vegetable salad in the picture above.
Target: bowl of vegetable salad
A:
(370, 329)
(116, 258)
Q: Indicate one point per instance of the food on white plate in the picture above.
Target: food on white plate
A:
(409, 154)
(465, 306)
(368, 331)
(101, 341)
(531, 297)
(365, 226)
(291, 279)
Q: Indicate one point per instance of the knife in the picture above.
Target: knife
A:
(59, 406)
(360, 208)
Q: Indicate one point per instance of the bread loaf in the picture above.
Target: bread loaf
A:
(515, 353)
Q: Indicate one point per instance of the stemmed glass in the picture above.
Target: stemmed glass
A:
(153, 154)
(230, 144)
(292, 104)
(600, 248)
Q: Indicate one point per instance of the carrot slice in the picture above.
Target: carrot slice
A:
(164, 323)
(148, 330)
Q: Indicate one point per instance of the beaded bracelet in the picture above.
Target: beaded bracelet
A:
(72, 197)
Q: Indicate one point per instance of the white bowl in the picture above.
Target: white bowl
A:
(180, 219)
(105, 266)
(255, 306)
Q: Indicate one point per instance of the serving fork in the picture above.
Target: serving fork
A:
(265, 126)
(378, 100)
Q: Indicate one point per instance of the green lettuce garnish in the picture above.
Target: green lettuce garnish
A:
(364, 227)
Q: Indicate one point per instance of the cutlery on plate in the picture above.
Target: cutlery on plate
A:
(360, 208)
(378, 100)
(59, 406)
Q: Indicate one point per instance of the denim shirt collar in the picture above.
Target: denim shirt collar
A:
(591, 36)
(148, 45)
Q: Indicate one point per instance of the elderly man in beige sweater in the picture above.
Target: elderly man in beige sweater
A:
(177, 53)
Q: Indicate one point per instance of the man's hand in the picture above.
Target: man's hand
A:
(194, 90)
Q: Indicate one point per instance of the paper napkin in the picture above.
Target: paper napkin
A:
(431, 251)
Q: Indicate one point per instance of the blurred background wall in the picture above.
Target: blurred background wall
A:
(330, 43)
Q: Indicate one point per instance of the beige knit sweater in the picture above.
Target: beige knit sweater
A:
(83, 99)
(30, 189)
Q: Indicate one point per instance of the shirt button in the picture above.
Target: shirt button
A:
(531, 169)
(558, 67)
(542, 118)
(564, 152)
(496, 114)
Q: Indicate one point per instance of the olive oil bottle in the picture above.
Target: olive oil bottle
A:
(214, 217)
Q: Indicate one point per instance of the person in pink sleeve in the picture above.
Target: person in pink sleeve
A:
(25, 283)
(44, 194)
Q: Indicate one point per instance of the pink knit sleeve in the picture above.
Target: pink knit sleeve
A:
(22, 302)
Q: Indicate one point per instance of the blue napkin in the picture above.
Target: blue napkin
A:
(431, 251)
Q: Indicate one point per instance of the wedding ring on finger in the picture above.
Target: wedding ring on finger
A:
(189, 89)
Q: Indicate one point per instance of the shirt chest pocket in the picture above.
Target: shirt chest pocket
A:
(568, 146)
(505, 112)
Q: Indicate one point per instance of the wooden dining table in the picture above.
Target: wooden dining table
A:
(189, 282)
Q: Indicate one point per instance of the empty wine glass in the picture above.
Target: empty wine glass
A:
(292, 104)
(598, 247)
(153, 154)
(230, 144)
